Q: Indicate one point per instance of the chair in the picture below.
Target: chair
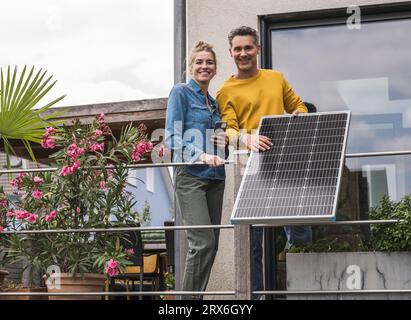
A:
(169, 235)
(145, 267)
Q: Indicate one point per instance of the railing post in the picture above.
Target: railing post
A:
(242, 262)
(242, 241)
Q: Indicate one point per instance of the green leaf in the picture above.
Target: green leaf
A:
(19, 94)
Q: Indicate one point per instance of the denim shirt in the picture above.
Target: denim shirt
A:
(187, 121)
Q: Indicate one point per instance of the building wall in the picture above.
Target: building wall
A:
(160, 201)
(211, 21)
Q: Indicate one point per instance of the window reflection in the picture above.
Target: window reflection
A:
(367, 71)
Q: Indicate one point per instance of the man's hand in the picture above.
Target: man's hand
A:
(212, 161)
(256, 142)
(296, 113)
(220, 139)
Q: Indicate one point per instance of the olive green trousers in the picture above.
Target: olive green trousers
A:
(200, 202)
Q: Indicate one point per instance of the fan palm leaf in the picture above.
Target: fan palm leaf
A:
(19, 119)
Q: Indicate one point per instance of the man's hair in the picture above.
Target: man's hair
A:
(243, 31)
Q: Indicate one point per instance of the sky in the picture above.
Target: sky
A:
(98, 50)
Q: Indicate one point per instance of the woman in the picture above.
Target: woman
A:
(191, 116)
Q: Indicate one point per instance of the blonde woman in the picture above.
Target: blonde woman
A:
(191, 116)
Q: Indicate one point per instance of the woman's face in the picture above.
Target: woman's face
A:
(204, 67)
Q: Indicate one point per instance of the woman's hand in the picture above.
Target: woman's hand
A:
(212, 161)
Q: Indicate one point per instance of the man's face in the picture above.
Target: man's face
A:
(245, 52)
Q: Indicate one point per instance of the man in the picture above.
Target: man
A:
(243, 99)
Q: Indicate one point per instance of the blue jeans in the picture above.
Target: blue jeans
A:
(295, 235)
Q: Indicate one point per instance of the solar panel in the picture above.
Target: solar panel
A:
(297, 180)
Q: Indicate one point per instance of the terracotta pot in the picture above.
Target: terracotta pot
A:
(89, 282)
(3, 274)
(26, 297)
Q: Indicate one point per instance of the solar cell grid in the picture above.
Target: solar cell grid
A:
(297, 179)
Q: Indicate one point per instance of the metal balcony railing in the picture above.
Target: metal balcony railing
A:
(241, 291)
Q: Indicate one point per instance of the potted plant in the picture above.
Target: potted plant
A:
(382, 262)
(81, 194)
(169, 281)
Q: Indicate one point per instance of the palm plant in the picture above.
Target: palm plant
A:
(19, 116)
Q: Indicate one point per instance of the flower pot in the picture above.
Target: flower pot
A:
(28, 290)
(349, 271)
(88, 282)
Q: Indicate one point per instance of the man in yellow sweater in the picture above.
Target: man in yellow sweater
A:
(243, 99)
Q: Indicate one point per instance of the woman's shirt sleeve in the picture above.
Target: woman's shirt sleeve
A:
(174, 136)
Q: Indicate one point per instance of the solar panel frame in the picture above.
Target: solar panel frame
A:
(295, 219)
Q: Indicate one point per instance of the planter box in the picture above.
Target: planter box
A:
(349, 271)
(28, 290)
(3, 274)
(88, 282)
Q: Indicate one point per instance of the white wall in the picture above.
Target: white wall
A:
(212, 20)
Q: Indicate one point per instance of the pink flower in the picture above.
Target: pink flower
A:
(50, 131)
(109, 172)
(37, 194)
(1, 229)
(10, 214)
(98, 133)
(76, 165)
(101, 118)
(32, 218)
(18, 182)
(112, 264)
(162, 151)
(74, 152)
(111, 268)
(21, 214)
(111, 272)
(50, 216)
(140, 148)
(102, 185)
(136, 156)
(48, 142)
(78, 210)
(38, 180)
(130, 252)
(144, 146)
(67, 170)
(97, 147)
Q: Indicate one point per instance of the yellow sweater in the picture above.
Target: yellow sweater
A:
(243, 102)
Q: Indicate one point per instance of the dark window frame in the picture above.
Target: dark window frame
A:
(324, 17)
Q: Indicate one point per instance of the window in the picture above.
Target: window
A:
(150, 179)
(366, 71)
